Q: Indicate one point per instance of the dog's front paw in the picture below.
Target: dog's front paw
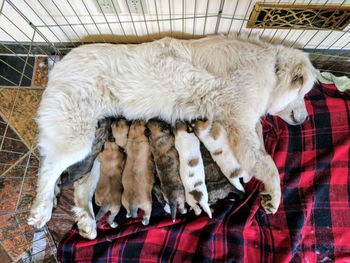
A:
(270, 200)
(40, 213)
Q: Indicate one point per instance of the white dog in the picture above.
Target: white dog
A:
(191, 169)
(218, 78)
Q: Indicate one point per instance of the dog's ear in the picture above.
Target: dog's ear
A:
(298, 76)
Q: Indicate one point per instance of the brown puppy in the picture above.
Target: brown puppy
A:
(138, 174)
(109, 188)
(166, 160)
(217, 184)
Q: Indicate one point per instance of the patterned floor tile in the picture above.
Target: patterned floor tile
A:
(24, 110)
(41, 72)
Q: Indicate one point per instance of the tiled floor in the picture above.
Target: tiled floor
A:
(18, 167)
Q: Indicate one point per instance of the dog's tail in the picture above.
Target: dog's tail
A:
(133, 210)
(103, 210)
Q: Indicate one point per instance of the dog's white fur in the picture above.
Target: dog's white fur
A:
(83, 212)
(188, 148)
(219, 78)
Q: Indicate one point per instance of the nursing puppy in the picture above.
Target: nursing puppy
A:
(217, 184)
(215, 139)
(166, 160)
(109, 189)
(78, 170)
(138, 174)
(218, 77)
(191, 169)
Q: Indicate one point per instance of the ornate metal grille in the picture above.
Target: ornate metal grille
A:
(300, 16)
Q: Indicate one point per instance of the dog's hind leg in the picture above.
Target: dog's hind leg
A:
(83, 211)
(52, 165)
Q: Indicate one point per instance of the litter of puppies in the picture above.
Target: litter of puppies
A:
(135, 156)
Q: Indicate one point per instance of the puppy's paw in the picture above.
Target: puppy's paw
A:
(113, 224)
(40, 213)
(270, 200)
(197, 210)
(145, 220)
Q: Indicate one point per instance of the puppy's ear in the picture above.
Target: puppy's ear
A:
(147, 132)
(189, 127)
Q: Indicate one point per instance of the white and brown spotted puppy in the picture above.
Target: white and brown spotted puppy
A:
(166, 160)
(138, 174)
(217, 184)
(109, 189)
(191, 168)
(215, 139)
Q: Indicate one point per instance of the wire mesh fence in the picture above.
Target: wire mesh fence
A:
(35, 34)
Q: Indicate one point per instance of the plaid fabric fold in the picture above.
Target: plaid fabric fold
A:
(311, 225)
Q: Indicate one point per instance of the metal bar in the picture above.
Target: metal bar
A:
(183, 18)
(233, 16)
(222, 2)
(171, 26)
(93, 20)
(8, 151)
(289, 30)
(26, 232)
(31, 24)
(205, 19)
(46, 230)
(13, 39)
(16, 163)
(194, 15)
(14, 212)
(2, 6)
(155, 5)
(245, 15)
(144, 18)
(56, 23)
(81, 23)
(42, 21)
(121, 26)
(67, 20)
(303, 30)
(311, 38)
(9, 49)
(274, 7)
(7, 64)
(8, 80)
(16, 96)
(132, 21)
(105, 16)
(150, 20)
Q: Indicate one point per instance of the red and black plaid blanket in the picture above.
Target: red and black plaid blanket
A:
(311, 225)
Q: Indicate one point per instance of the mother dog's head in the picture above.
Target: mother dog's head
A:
(295, 77)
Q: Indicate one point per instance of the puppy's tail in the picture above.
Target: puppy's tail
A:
(133, 210)
(103, 210)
